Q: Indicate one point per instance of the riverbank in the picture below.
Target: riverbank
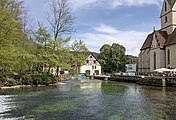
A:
(28, 80)
(29, 86)
(141, 80)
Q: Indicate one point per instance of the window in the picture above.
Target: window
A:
(168, 56)
(165, 19)
(90, 56)
(165, 6)
(95, 67)
(92, 67)
(94, 61)
(154, 60)
(87, 62)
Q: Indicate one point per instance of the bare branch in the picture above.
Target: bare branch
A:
(60, 18)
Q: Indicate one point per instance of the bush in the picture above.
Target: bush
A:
(9, 79)
(44, 79)
(27, 80)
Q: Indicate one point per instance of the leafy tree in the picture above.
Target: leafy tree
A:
(14, 7)
(104, 56)
(18, 52)
(79, 54)
(112, 58)
(42, 36)
(9, 34)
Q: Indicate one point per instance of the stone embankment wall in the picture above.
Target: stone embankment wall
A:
(151, 81)
(125, 79)
(171, 81)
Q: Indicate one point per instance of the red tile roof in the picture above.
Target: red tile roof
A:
(161, 37)
(148, 42)
(171, 39)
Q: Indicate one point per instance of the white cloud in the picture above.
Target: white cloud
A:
(82, 3)
(105, 29)
(112, 3)
(116, 3)
(131, 40)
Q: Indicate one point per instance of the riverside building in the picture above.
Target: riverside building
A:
(159, 48)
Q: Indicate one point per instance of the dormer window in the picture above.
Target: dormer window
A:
(166, 19)
(165, 4)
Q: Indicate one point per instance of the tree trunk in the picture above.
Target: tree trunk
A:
(57, 71)
(49, 70)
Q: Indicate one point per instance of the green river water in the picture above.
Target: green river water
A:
(89, 100)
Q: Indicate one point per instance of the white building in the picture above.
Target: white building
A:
(91, 66)
(159, 48)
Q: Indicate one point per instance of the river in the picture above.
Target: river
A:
(89, 100)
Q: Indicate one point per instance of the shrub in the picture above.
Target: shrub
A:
(27, 80)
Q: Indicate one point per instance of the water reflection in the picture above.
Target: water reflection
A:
(89, 100)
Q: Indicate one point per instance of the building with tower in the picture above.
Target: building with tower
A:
(159, 48)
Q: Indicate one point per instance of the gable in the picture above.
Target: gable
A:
(154, 42)
(155, 39)
(92, 57)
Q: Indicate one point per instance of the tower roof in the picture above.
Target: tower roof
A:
(171, 2)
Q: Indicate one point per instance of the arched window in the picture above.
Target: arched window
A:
(165, 6)
(154, 56)
(168, 56)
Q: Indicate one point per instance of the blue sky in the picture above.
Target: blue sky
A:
(99, 22)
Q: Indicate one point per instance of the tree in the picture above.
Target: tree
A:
(9, 33)
(104, 56)
(117, 57)
(112, 58)
(60, 18)
(15, 7)
(79, 54)
(42, 36)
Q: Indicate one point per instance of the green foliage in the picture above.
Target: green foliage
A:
(41, 35)
(79, 55)
(14, 7)
(19, 53)
(112, 58)
(38, 79)
(8, 79)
